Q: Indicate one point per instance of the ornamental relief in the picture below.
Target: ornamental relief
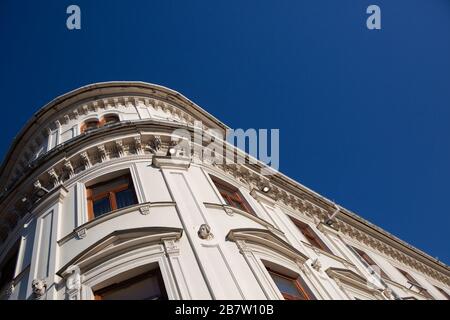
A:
(160, 109)
(157, 144)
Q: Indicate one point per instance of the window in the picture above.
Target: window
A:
(415, 284)
(8, 268)
(109, 119)
(311, 236)
(291, 288)
(232, 196)
(110, 195)
(89, 125)
(368, 260)
(446, 295)
(147, 286)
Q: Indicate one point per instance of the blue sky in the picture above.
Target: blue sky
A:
(363, 115)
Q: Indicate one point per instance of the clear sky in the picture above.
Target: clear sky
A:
(363, 115)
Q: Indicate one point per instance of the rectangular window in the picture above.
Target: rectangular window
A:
(291, 288)
(413, 282)
(310, 235)
(111, 195)
(368, 260)
(232, 196)
(147, 286)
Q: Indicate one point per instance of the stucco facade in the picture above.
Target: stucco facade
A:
(53, 244)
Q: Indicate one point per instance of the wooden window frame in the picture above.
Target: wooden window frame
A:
(125, 283)
(369, 261)
(311, 236)
(413, 282)
(103, 122)
(232, 194)
(299, 284)
(111, 194)
(410, 278)
(84, 125)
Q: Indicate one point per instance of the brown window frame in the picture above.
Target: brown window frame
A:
(104, 117)
(84, 125)
(369, 261)
(312, 238)
(299, 284)
(415, 283)
(125, 283)
(231, 195)
(111, 194)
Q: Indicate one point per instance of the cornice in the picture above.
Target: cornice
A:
(141, 139)
(106, 95)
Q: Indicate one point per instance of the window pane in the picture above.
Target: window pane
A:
(238, 205)
(101, 206)
(232, 196)
(111, 119)
(90, 125)
(125, 198)
(311, 237)
(286, 285)
(139, 289)
(225, 197)
(110, 185)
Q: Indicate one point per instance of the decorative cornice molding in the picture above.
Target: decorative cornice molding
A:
(284, 190)
(267, 239)
(344, 276)
(172, 162)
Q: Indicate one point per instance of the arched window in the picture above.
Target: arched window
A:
(109, 119)
(90, 124)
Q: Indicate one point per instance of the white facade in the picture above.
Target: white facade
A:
(181, 224)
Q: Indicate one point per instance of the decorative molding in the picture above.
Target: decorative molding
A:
(73, 282)
(171, 246)
(81, 233)
(54, 178)
(350, 278)
(308, 203)
(111, 215)
(204, 232)
(316, 265)
(144, 210)
(85, 160)
(172, 162)
(266, 239)
(120, 241)
(39, 287)
(68, 168)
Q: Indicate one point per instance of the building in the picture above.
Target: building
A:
(99, 202)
